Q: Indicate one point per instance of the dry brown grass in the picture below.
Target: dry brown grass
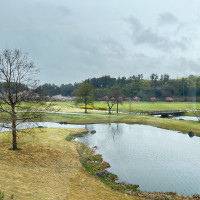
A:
(64, 107)
(48, 167)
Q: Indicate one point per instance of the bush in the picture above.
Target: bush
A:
(1, 195)
(68, 138)
(169, 99)
(153, 99)
(102, 108)
(136, 99)
(88, 107)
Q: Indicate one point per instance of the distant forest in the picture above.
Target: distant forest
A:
(181, 89)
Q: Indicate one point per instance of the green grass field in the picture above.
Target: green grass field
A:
(136, 106)
(149, 106)
(72, 107)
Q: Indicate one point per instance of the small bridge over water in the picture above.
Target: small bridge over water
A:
(166, 113)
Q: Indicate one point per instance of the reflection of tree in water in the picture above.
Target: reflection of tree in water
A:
(115, 129)
(89, 127)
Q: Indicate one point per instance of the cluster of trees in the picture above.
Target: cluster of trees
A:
(156, 86)
(64, 89)
(179, 88)
(85, 94)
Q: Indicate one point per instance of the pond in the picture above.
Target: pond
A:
(27, 125)
(158, 160)
(188, 118)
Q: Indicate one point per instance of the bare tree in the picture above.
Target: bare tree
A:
(18, 93)
(110, 102)
(117, 94)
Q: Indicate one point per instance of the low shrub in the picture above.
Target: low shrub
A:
(169, 99)
(1, 195)
(102, 108)
(88, 107)
(68, 138)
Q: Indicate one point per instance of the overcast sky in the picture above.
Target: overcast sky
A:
(71, 40)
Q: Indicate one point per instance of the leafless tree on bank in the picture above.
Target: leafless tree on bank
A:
(19, 99)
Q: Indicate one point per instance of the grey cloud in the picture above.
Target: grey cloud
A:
(175, 67)
(167, 19)
(63, 11)
(186, 66)
(61, 49)
(113, 48)
(136, 24)
(67, 46)
(141, 36)
(82, 57)
(105, 48)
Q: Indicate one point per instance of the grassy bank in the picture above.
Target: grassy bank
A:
(48, 167)
(95, 165)
(178, 125)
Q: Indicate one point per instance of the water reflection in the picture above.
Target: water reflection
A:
(114, 129)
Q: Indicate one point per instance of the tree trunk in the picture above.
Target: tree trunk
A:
(14, 132)
(117, 107)
(85, 107)
(109, 111)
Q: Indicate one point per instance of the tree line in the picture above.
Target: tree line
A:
(182, 89)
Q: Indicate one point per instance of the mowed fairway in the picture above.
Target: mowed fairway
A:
(155, 106)
(48, 167)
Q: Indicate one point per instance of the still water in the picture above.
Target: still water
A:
(158, 160)
(188, 118)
